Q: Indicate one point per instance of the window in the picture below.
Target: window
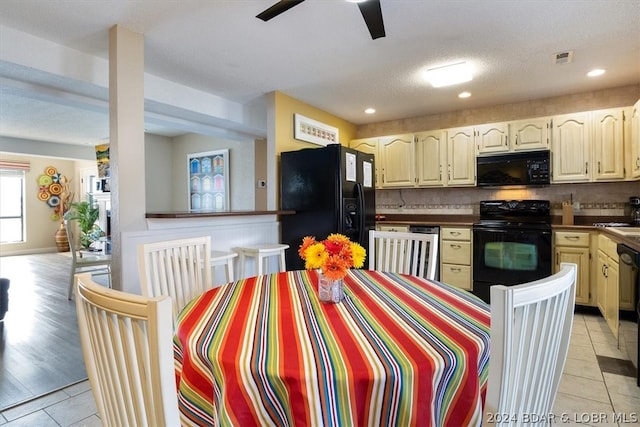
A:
(12, 222)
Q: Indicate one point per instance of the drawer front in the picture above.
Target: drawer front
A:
(393, 227)
(569, 238)
(455, 234)
(456, 275)
(456, 252)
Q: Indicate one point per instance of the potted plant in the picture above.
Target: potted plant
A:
(86, 213)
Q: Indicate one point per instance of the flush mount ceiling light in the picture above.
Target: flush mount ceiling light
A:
(449, 74)
(464, 94)
(370, 110)
(597, 72)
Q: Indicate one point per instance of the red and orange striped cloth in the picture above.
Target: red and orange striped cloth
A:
(399, 350)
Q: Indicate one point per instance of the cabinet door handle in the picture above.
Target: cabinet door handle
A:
(506, 140)
(598, 166)
(455, 233)
(456, 269)
(452, 246)
(571, 237)
(586, 167)
(516, 139)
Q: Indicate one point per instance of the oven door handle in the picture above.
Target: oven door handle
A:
(518, 230)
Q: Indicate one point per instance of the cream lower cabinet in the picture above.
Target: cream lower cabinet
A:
(393, 227)
(455, 257)
(607, 282)
(574, 247)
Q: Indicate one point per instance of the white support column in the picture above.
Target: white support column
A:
(126, 128)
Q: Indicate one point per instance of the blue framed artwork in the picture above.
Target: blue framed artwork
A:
(209, 181)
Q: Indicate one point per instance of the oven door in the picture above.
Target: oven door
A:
(509, 256)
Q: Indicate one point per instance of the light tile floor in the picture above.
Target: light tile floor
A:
(588, 395)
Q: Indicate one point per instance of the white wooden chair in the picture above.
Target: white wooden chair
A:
(96, 264)
(261, 254)
(223, 259)
(178, 268)
(530, 332)
(127, 344)
(407, 253)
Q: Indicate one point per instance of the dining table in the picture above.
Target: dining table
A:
(398, 350)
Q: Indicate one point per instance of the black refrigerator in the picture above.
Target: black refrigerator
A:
(332, 190)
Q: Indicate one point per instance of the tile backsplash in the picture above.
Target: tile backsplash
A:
(589, 199)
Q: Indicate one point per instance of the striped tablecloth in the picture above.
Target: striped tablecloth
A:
(399, 350)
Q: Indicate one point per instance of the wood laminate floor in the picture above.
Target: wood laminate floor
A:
(39, 344)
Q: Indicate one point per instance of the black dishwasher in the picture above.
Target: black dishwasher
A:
(629, 265)
(429, 229)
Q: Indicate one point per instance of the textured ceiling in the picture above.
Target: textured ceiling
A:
(320, 52)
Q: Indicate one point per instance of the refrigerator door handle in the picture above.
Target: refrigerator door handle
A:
(361, 213)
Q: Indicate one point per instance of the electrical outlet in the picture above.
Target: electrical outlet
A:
(262, 183)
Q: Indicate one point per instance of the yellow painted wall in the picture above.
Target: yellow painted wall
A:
(286, 107)
(40, 228)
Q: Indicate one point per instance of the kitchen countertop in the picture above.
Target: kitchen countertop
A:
(631, 240)
(585, 223)
(212, 214)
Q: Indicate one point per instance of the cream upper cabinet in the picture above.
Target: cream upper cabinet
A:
(633, 141)
(431, 158)
(461, 157)
(398, 160)
(570, 148)
(608, 144)
(530, 134)
(492, 138)
(520, 135)
(369, 146)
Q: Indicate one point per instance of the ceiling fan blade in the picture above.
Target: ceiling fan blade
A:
(372, 14)
(277, 9)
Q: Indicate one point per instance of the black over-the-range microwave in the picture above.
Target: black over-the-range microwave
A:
(531, 168)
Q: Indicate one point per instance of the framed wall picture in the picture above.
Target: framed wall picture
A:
(209, 181)
(306, 129)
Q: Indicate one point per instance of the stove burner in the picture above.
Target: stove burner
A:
(515, 211)
(611, 224)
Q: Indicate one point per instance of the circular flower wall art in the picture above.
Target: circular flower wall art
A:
(53, 189)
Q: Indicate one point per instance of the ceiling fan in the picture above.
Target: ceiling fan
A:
(370, 9)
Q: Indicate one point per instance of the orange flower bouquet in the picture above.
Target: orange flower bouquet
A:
(333, 256)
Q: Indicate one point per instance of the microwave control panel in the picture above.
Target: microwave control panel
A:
(538, 170)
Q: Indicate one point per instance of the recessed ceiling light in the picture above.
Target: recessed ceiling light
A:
(464, 94)
(596, 72)
(370, 110)
(449, 74)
